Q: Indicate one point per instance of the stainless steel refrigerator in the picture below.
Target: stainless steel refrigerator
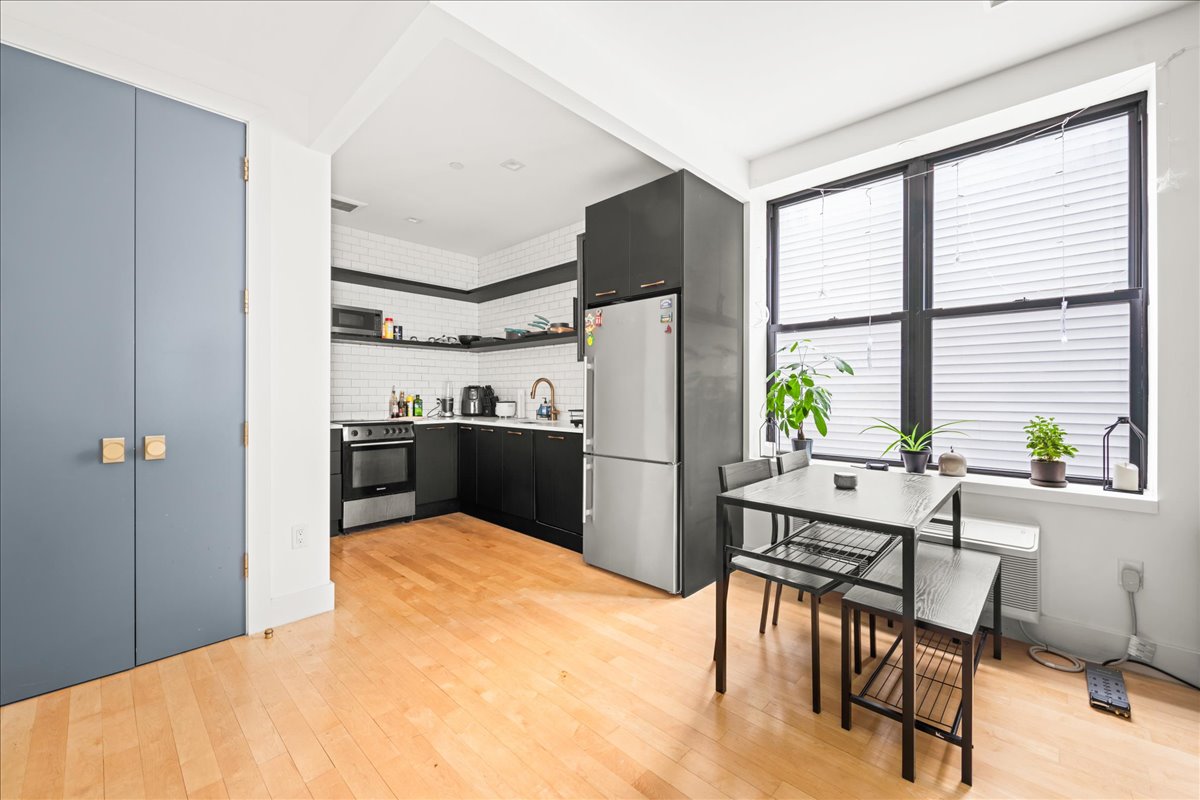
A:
(631, 442)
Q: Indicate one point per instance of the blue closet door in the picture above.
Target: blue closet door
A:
(66, 375)
(191, 341)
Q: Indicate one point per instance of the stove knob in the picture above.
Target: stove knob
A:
(387, 431)
(354, 433)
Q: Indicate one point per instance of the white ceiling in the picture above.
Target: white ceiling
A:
(300, 61)
(755, 77)
(456, 107)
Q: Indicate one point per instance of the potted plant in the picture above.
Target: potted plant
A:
(914, 445)
(1046, 441)
(793, 394)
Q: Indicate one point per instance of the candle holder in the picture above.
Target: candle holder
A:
(1135, 432)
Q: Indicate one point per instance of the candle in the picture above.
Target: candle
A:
(1125, 477)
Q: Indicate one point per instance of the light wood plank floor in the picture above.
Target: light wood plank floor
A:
(466, 660)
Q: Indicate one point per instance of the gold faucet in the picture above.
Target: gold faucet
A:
(533, 395)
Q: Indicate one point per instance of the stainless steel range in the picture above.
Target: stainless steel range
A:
(379, 472)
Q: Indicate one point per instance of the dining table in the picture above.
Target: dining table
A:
(838, 536)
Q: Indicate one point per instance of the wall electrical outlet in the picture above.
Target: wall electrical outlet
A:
(299, 536)
(1127, 563)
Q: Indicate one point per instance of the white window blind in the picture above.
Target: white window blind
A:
(1000, 370)
(872, 391)
(999, 218)
(828, 264)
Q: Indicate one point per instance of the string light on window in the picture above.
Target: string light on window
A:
(1062, 228)
(870, 273)
(821, 290)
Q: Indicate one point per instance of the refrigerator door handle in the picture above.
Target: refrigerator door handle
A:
(589, 398)
(587, 489)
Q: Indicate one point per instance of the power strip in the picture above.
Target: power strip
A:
(1106, 690)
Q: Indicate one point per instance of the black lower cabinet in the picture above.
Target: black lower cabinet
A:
(489, 456)
(335, 481)
(467, 494)
(437, 467)
(516, 474)
(558, 477)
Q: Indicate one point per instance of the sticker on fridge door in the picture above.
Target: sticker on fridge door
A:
(665, 318)
(664, 303)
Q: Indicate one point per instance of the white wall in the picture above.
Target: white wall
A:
(1084, 609)
(363, 376)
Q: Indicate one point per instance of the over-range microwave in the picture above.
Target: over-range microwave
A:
(355, 321)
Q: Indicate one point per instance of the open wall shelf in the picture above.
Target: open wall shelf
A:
(551, 276)
(541, 340)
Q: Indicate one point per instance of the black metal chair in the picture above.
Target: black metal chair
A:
(735, 476)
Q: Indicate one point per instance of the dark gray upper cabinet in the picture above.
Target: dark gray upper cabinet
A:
(606, 273)
(437, 463)
(516, 475)
(635, 241)
(489, 460)
(656, 235)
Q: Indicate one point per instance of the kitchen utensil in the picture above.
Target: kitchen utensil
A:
(506, 409)
(466, 339)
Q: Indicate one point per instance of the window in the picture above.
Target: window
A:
(988, 283)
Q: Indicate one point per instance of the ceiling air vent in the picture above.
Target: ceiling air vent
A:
(345, 203)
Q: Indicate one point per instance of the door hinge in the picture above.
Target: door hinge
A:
(245, 301)
(245, 565)
(246, 168)
(245, 434)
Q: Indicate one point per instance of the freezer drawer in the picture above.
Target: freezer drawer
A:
(631, 525)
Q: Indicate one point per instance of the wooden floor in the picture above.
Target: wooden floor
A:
(466, 660)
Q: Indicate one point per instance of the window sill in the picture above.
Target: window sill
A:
(1072, 494)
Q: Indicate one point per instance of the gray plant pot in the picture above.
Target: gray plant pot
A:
(803, 444)
(915, 461)
(1048, 473)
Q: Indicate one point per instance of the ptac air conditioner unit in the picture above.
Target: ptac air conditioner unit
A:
(1018, 545)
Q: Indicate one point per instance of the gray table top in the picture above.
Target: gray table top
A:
(892, 502)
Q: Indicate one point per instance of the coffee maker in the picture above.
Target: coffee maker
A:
(478, 401)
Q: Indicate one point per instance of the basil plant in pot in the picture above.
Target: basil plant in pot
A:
(1046, 441)
(913, 445)
(794, 394)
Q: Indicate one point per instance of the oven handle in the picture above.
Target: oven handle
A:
(381, 444)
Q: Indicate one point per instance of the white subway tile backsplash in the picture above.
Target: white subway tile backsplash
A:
(362, 376)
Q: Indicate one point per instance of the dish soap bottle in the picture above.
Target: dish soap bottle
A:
(543, 411)
(418, 406)
(393, 405)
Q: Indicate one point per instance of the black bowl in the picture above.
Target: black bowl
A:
(466, 339)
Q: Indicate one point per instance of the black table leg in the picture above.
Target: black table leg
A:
(722, 593)
(762, 618)
(778, 595)
(846, 667)
(857, 642)
(996, 616)
(908, 666)
(968, 710)
(815, 635)
(871, 629)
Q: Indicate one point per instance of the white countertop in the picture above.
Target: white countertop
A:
(561, 425)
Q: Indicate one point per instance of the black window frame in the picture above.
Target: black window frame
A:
(916, 318)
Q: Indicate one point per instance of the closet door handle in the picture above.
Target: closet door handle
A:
(558, 438)
(655, 283)
(605, 294)
(154, 448)
(515, 433)
(112, 450)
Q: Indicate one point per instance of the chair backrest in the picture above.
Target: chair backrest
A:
(735, 476)
(797, 459)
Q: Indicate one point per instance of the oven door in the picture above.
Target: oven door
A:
(356, 321)
(371, 469)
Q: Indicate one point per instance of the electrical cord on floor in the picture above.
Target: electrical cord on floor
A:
(1037, 648)
(1127, 660)
(1075, 664)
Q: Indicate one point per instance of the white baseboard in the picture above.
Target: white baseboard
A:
(298, 605)
(1097, 644)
